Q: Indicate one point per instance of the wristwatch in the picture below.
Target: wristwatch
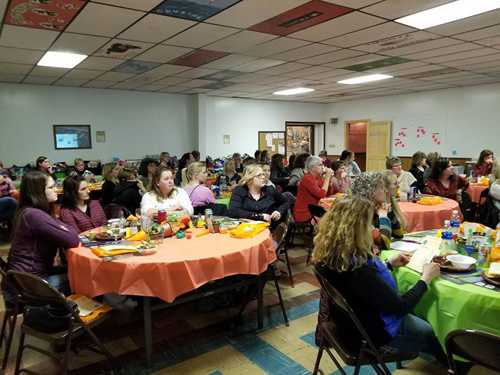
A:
(389, 265)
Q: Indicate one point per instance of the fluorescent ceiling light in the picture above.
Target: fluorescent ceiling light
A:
(296, 91)
(61, 59)
(450, 12)
(364, 79)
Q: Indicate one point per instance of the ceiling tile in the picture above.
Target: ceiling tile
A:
(155, 28)
(116, 77)
(284, 68)
(392, 70)
(196, 91)
(25, 37)
(78, 43)
(274, 46)
(467, 24)
(338, 26)
(99, 63)
(19, 56)
(197, 10)
(103, 20)
(3, 6)
(174, 89)
(144, 78)
(240, 41)
(75, 82)
(18, 69)
(307, 71)
(461, 56)
(126, 86)
(122, 49)
(168, 70)
(400, 8)
(198, 57)
(196, 73)
(437, 43)
(99, 84)
(269, 80)
(258, 65)
(356, 60)
(247, 78)
(487, 32)
(135, 67)
(249, 13)
(473, 60)
(230, 61)
(162, 53)
(172, 81)
(390, 43)
(385, 30)
(152, 87)
(482, 65)
(201, 35)
(442, 51)
(304, 52)
(197, 83)
(83, 74)
(40, 80)
(330, 73)
(13, 78)
(332, 56)
(145, 5)
(46, 71)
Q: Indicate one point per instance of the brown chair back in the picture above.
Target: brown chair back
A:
(279, 235)
(316, 210)
(476, 346)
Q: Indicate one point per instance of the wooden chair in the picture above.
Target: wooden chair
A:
(36, 292)
(12, 310)
(479, 347)
(367, 354)
(316, 212)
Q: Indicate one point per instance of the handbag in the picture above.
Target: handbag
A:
(49, 318)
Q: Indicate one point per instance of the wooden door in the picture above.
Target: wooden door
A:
(378, 144)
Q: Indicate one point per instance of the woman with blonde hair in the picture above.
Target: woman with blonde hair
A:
(163, 195)
(343, 255)
(398, 221)
(432, 157)
(110, 173)
(229, 174)
(252, 199)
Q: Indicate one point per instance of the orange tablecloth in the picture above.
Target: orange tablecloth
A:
(210, 181)
(475, 192)
(421, 217)
(179, 266)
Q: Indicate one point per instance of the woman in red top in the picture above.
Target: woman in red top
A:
(484, 163)
(312, 188)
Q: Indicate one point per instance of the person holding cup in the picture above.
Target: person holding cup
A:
(484, 163)
(340, 181)
(229, 174)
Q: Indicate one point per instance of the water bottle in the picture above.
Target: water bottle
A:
(447, 238)
(223, 184)
(472, 176)
(455, 224)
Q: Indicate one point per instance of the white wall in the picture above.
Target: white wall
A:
(243, 118)
(473, 116)
(136, 123)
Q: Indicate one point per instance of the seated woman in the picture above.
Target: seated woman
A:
(128, 191)
(341, 181)
(252, 199)
(42, 164)
(146, 170)
(431, 159)
(163, 195)
(266, 169)
(237, 162)
(165, 160)
(445, 183)
(37, 235)
(8, 204)
(299, 169)
(228, 174)
(81, 171)
(418, 168)
(405, 179)
(484, 163)
(489, 213)
(249, 161)
(351, 166)
(312, 188)
(279, 173)
(184, 162)
(265, 157)
(398, 221)
(370, 185)
(110, 173)
(324, 156)
(199, 194)
(77, 210)
(344, 257)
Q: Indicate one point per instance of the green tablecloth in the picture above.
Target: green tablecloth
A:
(448, 306)
(223, 201)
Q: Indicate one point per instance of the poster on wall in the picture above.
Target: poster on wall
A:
(425, 133)
(72, 137)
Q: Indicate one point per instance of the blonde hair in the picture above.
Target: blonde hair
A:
(163, 154)
(431, 158)
(495, 172)
(344, 241)
(417, 158)
(193, 170)
(386, 175)
(107, 169)
(249, 173)
(228, 160)
(77, 161)
(127, 174)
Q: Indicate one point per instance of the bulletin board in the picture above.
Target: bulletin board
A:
(426, 133)
(274, 142)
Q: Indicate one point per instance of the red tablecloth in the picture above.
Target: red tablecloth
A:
(475, 192)
(179, 266)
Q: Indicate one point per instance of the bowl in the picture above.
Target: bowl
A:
(461, 261)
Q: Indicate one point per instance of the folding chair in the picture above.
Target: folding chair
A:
(316, 212)
(367, 354)
(283, 247)
(36, 291)
(479, 347)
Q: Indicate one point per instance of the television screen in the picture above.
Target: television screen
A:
(72, 137)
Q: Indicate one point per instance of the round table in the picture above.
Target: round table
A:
(179, 266)
(475, 192)
(448, 306)
(421, 217)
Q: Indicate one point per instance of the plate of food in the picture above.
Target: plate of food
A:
(492, 275)
(107, 236)
(145, 245)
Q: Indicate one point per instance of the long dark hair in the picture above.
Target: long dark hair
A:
(32, 195)
(183, 161)
(39, 160)
(143, 168)
(337, 164)
(263, 156)
(300, 160)
(71, 185)
(483, 155)
(438, 167)
(277, 162)
(346, 154)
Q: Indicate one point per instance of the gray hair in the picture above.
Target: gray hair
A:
(391, 160)
(366, 184)
(311, 161)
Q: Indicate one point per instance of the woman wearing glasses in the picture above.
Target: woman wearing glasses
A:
(405, 179)
(252, 199)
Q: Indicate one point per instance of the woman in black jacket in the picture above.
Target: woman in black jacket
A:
(279, 173)
(418, 168)
(128, 191)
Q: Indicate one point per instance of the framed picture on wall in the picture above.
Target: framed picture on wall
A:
(68, 137)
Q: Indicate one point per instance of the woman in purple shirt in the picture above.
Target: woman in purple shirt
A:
(37, 235)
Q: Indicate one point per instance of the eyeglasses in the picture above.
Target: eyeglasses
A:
(260, 175)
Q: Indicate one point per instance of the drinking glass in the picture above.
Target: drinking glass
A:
(116, 231)
(138, 212)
